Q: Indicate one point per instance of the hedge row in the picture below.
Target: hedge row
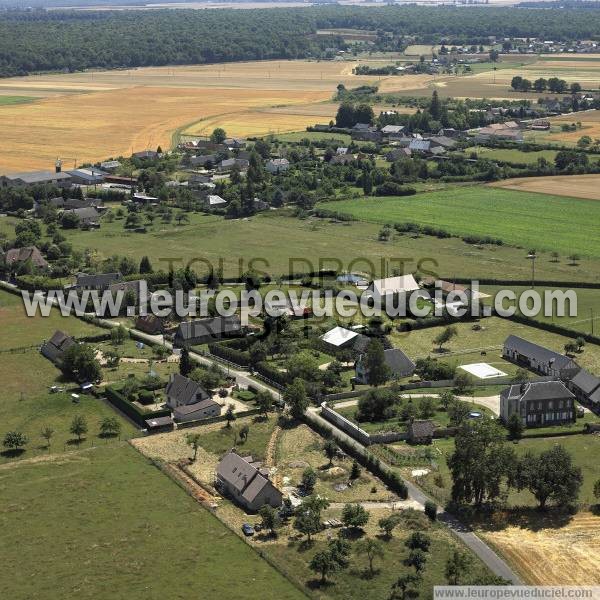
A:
(553, 328)
(220, 418)
(269, 372)
(237, 357)
(527, 283)
(131, 410)
(367, 459)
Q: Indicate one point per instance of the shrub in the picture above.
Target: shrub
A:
(431, 510)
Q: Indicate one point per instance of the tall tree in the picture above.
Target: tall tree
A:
(481, 463)
(456, 567)
(186, 366)
(372, 549)
(377, 370)
(550, 477)
(295, 397)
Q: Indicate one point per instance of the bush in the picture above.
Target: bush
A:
(145, 397)
(431, 510)
(391, 188)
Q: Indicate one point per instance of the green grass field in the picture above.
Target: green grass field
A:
(104, 523)
(278, 242)
(531, 220)
(511, 155)
(468, 345)
(440, 418)
(26, 405)
(20, 331)
(9, 100)
(588, 308)
(313, 136)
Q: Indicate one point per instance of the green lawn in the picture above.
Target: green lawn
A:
(440, 418)
(512, 155)
(314, 136)
(8, 100)
(19, 330)
(588, 307)
(105, 523)
(547, 222)
(468, 345)
(26, 405)
(281, 242)
(355, 582)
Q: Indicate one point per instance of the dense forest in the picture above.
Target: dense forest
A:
(37, 40)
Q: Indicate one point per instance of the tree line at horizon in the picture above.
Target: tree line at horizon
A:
(39, 40)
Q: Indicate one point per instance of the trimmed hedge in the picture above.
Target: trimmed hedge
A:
(131, 410)
(230, 354)
(272, 374)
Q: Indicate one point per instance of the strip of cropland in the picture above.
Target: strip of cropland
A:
(540, 221)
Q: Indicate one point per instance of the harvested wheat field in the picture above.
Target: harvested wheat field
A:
(568, 555)
(574, 186)
(590, 125)
(95, 115)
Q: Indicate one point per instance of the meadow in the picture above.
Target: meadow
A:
(512, 155)
(116, 522)
(277, 242)
(587, 319)
(468, 345)
(545, 222)
(26, 405)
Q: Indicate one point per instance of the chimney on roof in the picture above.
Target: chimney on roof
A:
(58, 165)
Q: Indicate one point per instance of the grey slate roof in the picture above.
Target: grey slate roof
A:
(188, 409)
(32, 177)
(539, 353)
(586, 382)
(185, 390)
(421, 429)
(57, 345)
(211, 327)
(537, 390)
(88, 213)
(242, 475)
(100, 280)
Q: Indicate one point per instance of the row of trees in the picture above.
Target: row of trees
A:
(484, 467)
(553, 84)
(15, 441)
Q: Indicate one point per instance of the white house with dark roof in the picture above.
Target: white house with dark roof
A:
(189, 401)
(246, 482)
(539, 404)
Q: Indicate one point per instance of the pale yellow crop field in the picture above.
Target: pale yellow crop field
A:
(567, 555)
(574, 186)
